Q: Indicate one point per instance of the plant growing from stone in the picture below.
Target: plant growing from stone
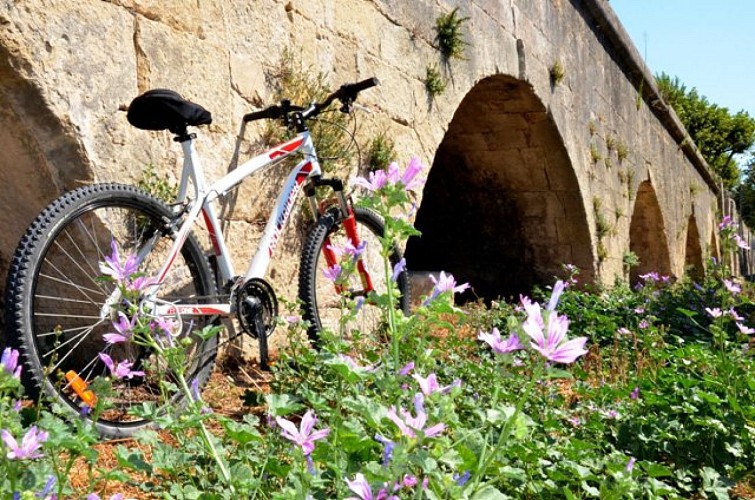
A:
(449, 37)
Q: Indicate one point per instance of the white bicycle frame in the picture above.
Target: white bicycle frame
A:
(203, 204)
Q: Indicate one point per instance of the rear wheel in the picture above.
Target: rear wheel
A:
(323, 305)
(59, 309)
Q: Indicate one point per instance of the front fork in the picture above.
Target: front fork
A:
(347, 218)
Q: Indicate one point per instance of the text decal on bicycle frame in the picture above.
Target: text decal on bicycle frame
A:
(280, 222)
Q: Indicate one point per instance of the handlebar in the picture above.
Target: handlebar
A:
(347, 94)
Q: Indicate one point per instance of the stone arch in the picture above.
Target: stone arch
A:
(502, 208)
(40, 158)
(647, 235)
(693, 253)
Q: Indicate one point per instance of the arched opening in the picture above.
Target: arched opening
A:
(693, 254)
(502, 207)
(647, 235)
(40, 157)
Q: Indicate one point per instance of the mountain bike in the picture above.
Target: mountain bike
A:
(58, 308)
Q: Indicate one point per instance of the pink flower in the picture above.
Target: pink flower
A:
(430, 384)
(493, 339)
(446, 283)
(575, 421)
(362, 488)
(409, 178)
(30, 444)
(558, 289)
(726, 222)
(745, 329)
(552, 343)
(123, 329)
(741, 243)
(408, 425)
(113, 267)
(333, 273)
(377, 180)
(9, 362)
(623, 331)
(715, 312)
(304, 436)
(733, 287)
(406, 369)
(121, 369)
(635, 393)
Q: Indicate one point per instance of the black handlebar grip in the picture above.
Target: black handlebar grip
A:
(352, 89)
(268, 113)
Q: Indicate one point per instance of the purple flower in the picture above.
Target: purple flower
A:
(409, 481)
(635, 393)
(493, 339)
(304, 436)
(123, 329)
(113, 267)
(406, 369)
(612, 414)
(95, 496)
(398, 269)
(430, 384)
(444, 283)
(725, 223)
(650, 277)
(575, 421)
(733, 287)
(333, 273)
(745, 329)
(408, 425)
(9, 362)
(550, 340)
(388, 446)
(630, 464)
(121, 369)
(45, 493)
(30, 444)
(623, 331)
(462, 480)
(643, 324)
(349, 249)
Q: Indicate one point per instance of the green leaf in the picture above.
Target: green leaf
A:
(488, 492)
(282, 404)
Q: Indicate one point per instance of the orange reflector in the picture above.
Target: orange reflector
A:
(79, 386)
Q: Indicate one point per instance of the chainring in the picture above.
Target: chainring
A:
(256, 288)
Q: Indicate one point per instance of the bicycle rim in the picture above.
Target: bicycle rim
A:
(67, 308)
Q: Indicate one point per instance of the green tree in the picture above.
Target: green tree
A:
(717, 133)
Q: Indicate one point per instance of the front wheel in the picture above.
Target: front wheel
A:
(324, 305)
(59, 309)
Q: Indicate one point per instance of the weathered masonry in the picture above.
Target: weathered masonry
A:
(527, 171)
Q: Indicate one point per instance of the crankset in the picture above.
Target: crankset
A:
(257, 310)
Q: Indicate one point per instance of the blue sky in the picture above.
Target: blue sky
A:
(707, 44)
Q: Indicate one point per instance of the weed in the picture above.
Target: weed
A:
(557, 73)
(595, 155)
(434, 83)
(449, 36)
(381, 152)
(161, 188)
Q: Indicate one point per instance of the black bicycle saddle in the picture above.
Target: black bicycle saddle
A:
(163, 109)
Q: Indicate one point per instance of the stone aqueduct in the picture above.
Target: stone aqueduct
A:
(526, 173)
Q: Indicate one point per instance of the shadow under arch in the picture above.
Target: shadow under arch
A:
(39, 157)
(502, 208)
(647, 235)
(693, 253)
